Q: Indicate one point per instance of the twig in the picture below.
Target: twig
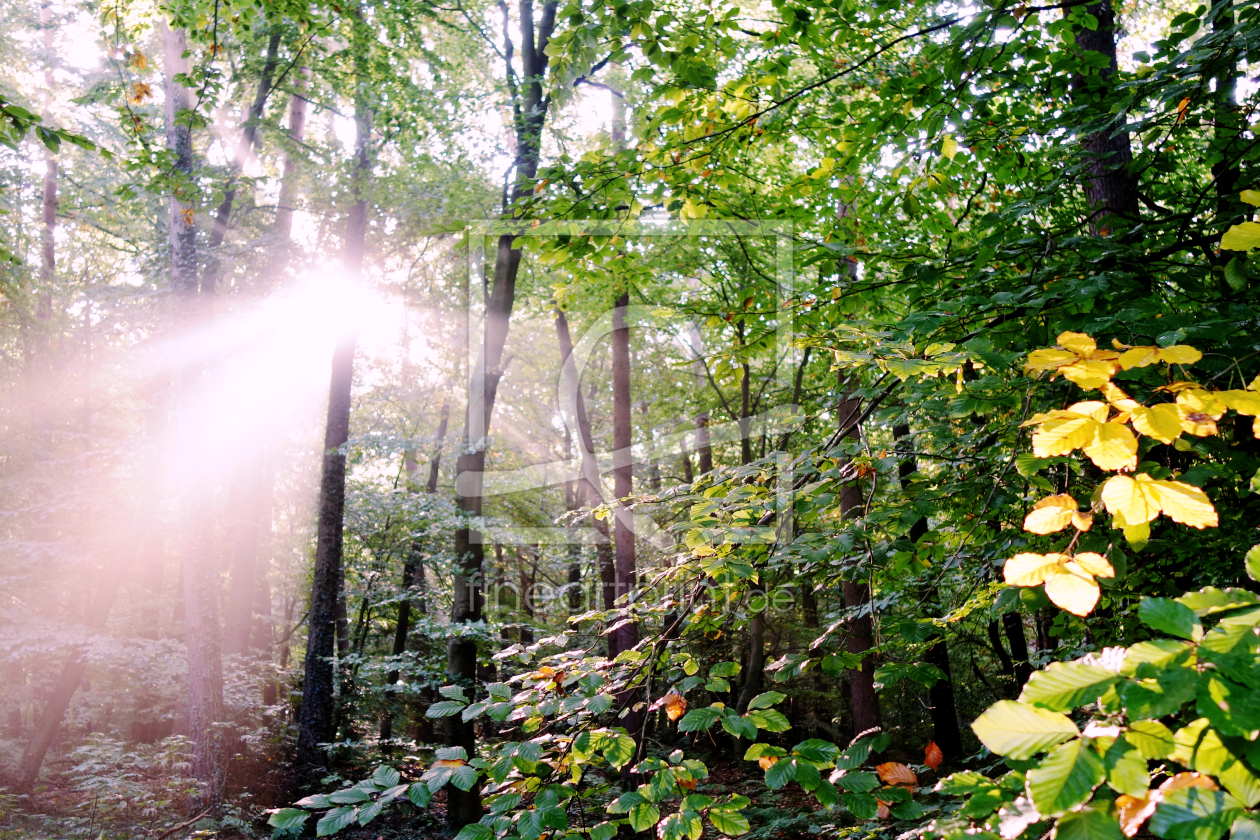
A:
(171, 831)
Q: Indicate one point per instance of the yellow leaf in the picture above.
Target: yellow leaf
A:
(1201, 401)
(1072, 588)
(1179, 354)
(1095, 564)
(767, 761)
(675, 705)
(1093, 408)
(1049, 359)
(1083, 521)
(1162, 422)
(1138, 536)
(1114, 447)
(1128, 499)
(1182, 503)
(1078, 343)
(1255, 384)
(1139, 357)
(1118, 398)
(949, 146)
(1089, 373)
(1060, 435)
(1251, 197)
(1050, 514)
(1242, 237)
(1031, 569)
(1244, 402)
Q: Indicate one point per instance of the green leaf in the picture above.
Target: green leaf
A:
(756, 751)
(817, 751)
(1170, 617)
(1152, 739)
(1088, 824)
(780, 773)
(318, 800)
(1065, 778)
(644, 815)
(1126, 769)
(419, 794)
(807, 775)
(724, 669)
(464, 777)
(1065, 685)
(1245, 828)
(1252, 560)
(1017, 730)
(604, 831)
(385, 777)
(349, 796)
(859, 782)
(1210, 600)
(622, 804)
(1236, 273)
(730, 823)
(476, 831)
(369, 812)
(288, 819)
(965, 783)
(444, 708)
(1241, 237)
(864, 806)
(335, 820)
(1195, 814)
(700, 719)
(766, 700)
(618, 749)
(769, 720)
(738, 726)
(826, 794)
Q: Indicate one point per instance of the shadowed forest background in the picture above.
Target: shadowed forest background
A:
(509, 421)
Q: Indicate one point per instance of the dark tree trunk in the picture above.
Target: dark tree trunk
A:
(1110, 189)
(857, 596)
(942, 706)
(626, 636)
(703, 448)
(326, 626)
(72, 673)
(249, 135)
(1014, 626)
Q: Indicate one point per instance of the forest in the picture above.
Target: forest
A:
(592, 419)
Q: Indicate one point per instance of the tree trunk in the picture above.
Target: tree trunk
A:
(626, 636)
(245, 506)
(202, 633)
(857, 595)
(1110, 189)
(413, 568)
(326, 626)
(530, 108)
(72, 672)
(297, 132)
(1014, 626)
(249, 134)
(702, 443)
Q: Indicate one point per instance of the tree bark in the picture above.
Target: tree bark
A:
(1014, 626)
(530, 106)
(626, 636)
(857, 596)
(327, 631)
(249, 136)
(1110, 189)
(297, 132)
(703, 448)
(246, 511)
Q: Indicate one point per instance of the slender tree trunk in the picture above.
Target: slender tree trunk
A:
(1014, 626)
(587, 490)
(857, 596)
(297, 133)
(703, 447)
(1110, 189)
(202, 633)
(413, 568)
(626, 636)
(245, 505)
(249, 135)
(327, 630)
(941, 702)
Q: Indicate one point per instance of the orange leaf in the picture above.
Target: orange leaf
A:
(1134, 812)
(933, 756)
(448, 762)
(895, 773)
(767, 761)
(675, 706)
(882, 811)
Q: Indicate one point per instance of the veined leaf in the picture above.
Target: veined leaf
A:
(1019, 731)
(1065, 778)
(1066, 685)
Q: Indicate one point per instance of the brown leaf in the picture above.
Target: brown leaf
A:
(896, 773)
(882, 811)
(449, 762)
(933, 756)
(675, 706)
(1133, 811)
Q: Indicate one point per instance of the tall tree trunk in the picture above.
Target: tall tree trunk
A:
(530, 108)
(249, 135)
(202, 633)
(857, 596)
(626, 636)
(297, 133)
(413, 567)
(245, 505)
(1013, 623)
(327, 631)
(941, 702)
(1110, 189)
(703, 448)
(588, 485)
